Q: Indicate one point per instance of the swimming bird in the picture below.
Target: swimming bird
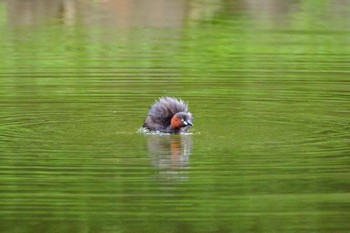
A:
(168, 115)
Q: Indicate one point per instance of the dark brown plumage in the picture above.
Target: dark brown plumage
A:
(168, 115)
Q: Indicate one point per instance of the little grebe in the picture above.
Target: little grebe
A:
(168, 115)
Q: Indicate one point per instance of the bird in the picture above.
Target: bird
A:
(168, 115)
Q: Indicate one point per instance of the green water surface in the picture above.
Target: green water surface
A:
(268, 85)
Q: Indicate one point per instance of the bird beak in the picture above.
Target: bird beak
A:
(188, 123)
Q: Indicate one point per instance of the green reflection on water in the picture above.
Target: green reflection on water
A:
(268, 152)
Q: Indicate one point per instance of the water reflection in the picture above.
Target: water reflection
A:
(125, 13)
(272, 107)
(170, 154)
(160, 13)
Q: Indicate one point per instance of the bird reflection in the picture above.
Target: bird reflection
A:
(170, 154)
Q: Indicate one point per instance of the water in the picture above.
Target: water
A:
(268, 84)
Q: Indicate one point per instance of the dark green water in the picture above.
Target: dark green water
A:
(267, 82)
